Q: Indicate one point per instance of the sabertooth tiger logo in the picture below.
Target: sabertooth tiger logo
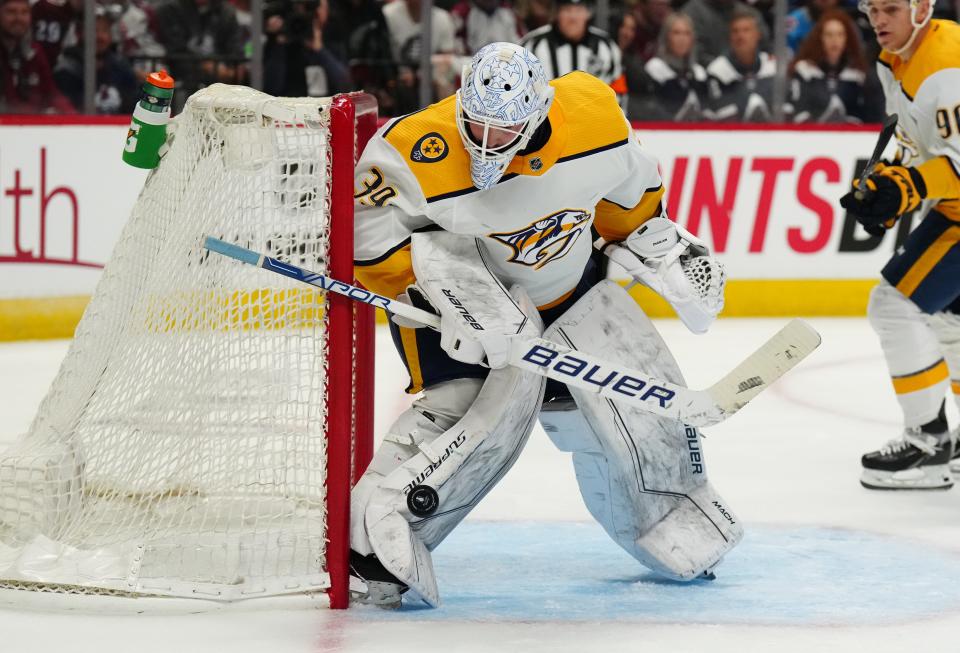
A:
(907, 149)
(429, 149)
(547, 239)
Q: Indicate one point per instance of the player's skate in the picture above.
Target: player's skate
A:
(917, 461)
(372, 584)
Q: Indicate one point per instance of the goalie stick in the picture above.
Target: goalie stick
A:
(694, 407)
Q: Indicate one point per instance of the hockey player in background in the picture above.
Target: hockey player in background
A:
(480, 208)
(910, 309)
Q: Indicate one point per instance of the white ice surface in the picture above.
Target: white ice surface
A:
(826, 565)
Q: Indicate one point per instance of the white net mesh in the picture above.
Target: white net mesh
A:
(180, 450)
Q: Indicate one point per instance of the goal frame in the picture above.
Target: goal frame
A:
(353, 120)
(348, 365)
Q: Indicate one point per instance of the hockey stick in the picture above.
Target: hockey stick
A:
(861, 192)
(886, 133)
(694, 407)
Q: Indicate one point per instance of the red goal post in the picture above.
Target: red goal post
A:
(359, 109)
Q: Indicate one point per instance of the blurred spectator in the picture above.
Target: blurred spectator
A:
(479, 22)
(676, 84)
(741, 81)
(711, 24)
(55, 25)
(828, 74)
(138, 36)
(245, 23)
(295, 61)
(203, 43)
(372, 65)
(570, 43)
(116, 83)
(650, 16)
(631, 60)
(403, 25)
(26, 83)
(800, 21)
(346, 16)
(303, 12)
(626, 33)
(534, 13)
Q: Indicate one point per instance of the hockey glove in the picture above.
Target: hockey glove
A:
(890, 192)
(678, 266)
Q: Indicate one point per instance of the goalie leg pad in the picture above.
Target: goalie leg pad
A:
(912, 351)
(436, 465)
(642, 477)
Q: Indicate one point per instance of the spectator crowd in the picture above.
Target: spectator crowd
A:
(675, 60)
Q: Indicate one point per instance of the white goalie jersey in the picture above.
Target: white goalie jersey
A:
(585, 170)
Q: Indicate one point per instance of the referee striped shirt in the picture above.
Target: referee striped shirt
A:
(596, 54)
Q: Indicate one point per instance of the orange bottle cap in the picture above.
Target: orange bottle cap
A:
(160, 79)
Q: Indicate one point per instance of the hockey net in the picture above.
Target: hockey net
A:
(201, 436)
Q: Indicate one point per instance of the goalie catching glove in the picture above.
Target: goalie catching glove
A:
(678, 266)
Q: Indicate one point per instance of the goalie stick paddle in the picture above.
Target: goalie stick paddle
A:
(694, 407)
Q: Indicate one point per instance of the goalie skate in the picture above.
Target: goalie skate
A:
(372, 584)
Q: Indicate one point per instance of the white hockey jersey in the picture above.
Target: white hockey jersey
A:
(535, 223)
(924, 92)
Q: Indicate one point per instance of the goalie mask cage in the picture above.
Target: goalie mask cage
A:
(203, 432)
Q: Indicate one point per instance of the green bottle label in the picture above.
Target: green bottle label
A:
(142, 149)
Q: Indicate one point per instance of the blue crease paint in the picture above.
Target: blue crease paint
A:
(545, 572)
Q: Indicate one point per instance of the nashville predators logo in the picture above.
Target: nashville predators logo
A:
(907, 149)
(547, 239)
(429, 149)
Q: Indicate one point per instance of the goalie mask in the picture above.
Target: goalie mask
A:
(503, 97)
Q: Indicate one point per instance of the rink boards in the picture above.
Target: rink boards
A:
(765, 199)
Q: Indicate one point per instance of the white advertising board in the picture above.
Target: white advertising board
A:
(765, 199)
(65, 194)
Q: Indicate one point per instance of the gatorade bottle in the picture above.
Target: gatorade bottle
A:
(148, 128)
